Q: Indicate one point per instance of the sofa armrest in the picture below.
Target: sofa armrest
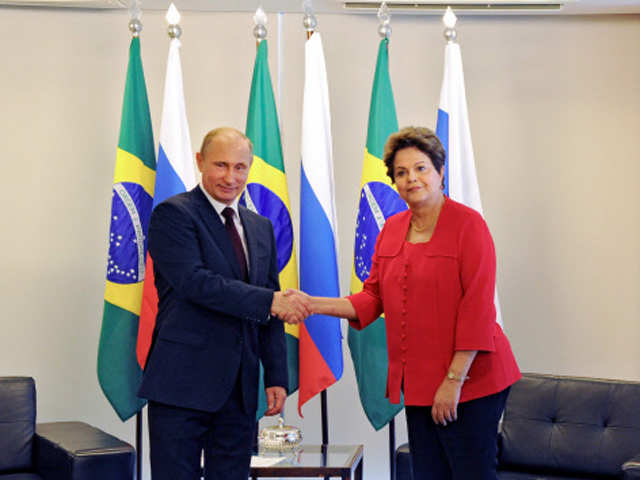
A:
(78, 451)
(631, 468)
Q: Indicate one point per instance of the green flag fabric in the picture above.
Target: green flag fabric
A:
(119, 373)
(267, 194)
(378, 200)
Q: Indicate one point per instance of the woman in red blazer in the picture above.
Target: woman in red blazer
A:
(433, 275)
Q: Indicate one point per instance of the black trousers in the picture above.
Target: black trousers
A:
(177, 437)
(462, 450)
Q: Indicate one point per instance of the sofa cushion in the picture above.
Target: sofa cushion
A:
(570, 425)
(20, 476)
(78, 451)
(536, 476)
(17, 423)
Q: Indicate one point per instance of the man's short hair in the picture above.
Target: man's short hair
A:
(224, 131)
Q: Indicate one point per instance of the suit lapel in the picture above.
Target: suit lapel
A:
(217, 229)
(251, 235)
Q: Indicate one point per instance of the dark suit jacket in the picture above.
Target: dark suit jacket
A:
(211, 325)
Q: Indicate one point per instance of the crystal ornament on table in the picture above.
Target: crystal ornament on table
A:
(279, 438)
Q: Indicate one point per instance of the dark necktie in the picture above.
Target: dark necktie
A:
(229, 224)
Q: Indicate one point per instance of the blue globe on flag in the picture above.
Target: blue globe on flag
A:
(130, 209)
(266, 203)
(378, 201)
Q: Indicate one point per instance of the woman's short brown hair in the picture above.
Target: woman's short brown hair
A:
(421, 138)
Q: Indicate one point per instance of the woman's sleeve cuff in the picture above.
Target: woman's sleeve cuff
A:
(484, 342)
(368, 308)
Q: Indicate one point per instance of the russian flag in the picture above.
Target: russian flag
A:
(461, 181)
(174, 174)
(320, 353)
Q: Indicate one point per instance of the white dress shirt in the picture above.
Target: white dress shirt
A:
(219, 207)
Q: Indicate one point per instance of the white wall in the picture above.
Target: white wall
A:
(554, 107)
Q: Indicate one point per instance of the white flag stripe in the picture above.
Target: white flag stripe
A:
(373, 205)
(174, 131)
(317, 158)
(463, 181)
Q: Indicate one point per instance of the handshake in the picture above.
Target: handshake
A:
(291, 306)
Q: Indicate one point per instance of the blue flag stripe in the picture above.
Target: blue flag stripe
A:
(442, 132)
(168, 182)
(319, 274)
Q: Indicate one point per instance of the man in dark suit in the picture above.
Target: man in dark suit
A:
(219, 311)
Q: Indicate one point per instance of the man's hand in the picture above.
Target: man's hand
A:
(275, 400)
(301, 296)
(290, 308)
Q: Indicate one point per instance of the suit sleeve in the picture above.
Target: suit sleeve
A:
(273, 349)
(175, 249)
(475, 324)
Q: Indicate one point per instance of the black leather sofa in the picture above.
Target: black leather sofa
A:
(557, 427)
(54, 451)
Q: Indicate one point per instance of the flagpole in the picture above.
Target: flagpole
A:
(135, 27)
(260, 33)
(139, 445)
(309, 22)
(174, 31)
(384, 30)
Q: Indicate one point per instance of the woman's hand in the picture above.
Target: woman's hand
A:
(445, 403)
(335, 307)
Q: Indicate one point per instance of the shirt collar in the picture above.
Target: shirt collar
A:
(219, 206)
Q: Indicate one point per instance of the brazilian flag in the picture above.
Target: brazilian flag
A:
(267, 194)
(378, 200)
(133, 183)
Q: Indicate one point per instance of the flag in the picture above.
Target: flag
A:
(175, 174)
(267, 194)
(378, 200)
(320, 338)
(133, 183)
(461, 182)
